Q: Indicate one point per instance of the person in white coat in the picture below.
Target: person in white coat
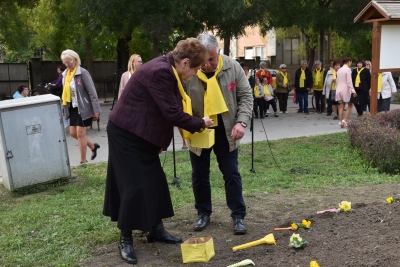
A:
(386, 88)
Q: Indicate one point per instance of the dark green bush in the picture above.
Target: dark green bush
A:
(378, 140)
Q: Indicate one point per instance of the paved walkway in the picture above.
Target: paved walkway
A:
(285, 126)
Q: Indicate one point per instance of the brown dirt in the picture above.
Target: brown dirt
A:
(366, 236)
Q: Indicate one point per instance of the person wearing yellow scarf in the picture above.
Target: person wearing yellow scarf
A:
(386, 89)
(361, 78)
(303, 82)
(329, 91)
(220, 90)
(283, 80)
(318, 85)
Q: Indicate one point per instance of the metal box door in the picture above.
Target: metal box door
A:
(35, 144)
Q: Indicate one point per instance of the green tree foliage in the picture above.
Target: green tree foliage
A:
(314, 18)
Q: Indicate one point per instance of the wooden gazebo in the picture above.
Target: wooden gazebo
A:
(385, 16)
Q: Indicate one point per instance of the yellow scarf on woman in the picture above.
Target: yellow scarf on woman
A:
(186, 102)
(285, 79)
(333, 87)
(318, 76)
(302, 78)
(379, 82)
(66, 95)
(358, 80)
(266, 90)
(214, 102)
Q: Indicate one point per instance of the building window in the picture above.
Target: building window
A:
(256, 51)
(291, 57)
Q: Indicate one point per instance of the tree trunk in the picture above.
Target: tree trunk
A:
(322, 47)
(155, 46)
(310, 51)
(123, 52)
(89, 55)
(227, 45)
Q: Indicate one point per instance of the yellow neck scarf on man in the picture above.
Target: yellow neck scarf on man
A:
(66, 94)
(379, 82)
(214, 102)
(186, 102)
(334, 83)
(358, 80)
(285, 79)
(302, 78)
(318, 76)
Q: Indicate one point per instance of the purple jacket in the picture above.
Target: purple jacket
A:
(150, 105)
(58, 82)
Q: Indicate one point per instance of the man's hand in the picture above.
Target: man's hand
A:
(237, 132)
(308, 89)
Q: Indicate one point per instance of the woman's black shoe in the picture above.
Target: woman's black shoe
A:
(158, 233)
(96, 146)
(125, 246)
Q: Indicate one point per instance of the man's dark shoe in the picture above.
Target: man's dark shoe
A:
(238, 227)
(125, 246)
(299, 111)
(202, 222)
(158, 233)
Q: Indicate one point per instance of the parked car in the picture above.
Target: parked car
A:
(273, 72)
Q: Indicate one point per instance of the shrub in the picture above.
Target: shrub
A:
(377, 138)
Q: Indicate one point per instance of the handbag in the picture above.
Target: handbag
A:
(289, 88)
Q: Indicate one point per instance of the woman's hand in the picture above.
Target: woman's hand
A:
(97, 115)
(354, 94)
(208, 122)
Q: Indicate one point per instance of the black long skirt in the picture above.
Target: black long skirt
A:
(137, 194)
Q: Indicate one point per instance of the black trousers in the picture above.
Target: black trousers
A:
(282, 98)
(319, 101)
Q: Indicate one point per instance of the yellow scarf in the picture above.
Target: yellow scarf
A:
(318, 76)
(266, 90)
(214, 102)
(379, 82)
(186, 102)
(262, 73)
(256, 91)
(358, 81)
(66, 95)
(333, 87)
(302, 78)
(285, 79)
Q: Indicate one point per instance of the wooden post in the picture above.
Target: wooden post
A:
(376, 47)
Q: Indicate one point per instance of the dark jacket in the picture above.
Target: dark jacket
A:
(150, 105)
(365, 78)
(308, 83)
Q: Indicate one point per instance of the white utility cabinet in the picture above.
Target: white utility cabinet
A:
(33, 147)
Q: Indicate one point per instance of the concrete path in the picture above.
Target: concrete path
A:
(285, 126)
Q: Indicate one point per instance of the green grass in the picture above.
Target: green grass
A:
(56, 224)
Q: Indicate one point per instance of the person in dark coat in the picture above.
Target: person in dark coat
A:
(140, 126)
(361, 77)
(303, 82)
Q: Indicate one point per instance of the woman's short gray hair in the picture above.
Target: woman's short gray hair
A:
(282, 66)
(263, 63)
(71, 54)
(317, 62)
(209, 41)
(304, 61)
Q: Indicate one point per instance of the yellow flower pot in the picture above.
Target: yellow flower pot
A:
(197, 249)
(205, 139)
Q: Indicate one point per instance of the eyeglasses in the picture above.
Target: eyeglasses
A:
(283, 68)
(67, 63)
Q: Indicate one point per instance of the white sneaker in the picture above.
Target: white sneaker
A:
(286, 112)
(280, 112)
(268, 111)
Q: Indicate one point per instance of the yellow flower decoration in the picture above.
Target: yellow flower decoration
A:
(314, 264)
(294, 226)
(390, 200)
(345, 206)
(297, 236)
(306, 224)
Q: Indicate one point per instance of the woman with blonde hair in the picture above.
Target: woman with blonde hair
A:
(135, 61)
(80, 102)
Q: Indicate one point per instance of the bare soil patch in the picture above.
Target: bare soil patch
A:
(366, 236)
